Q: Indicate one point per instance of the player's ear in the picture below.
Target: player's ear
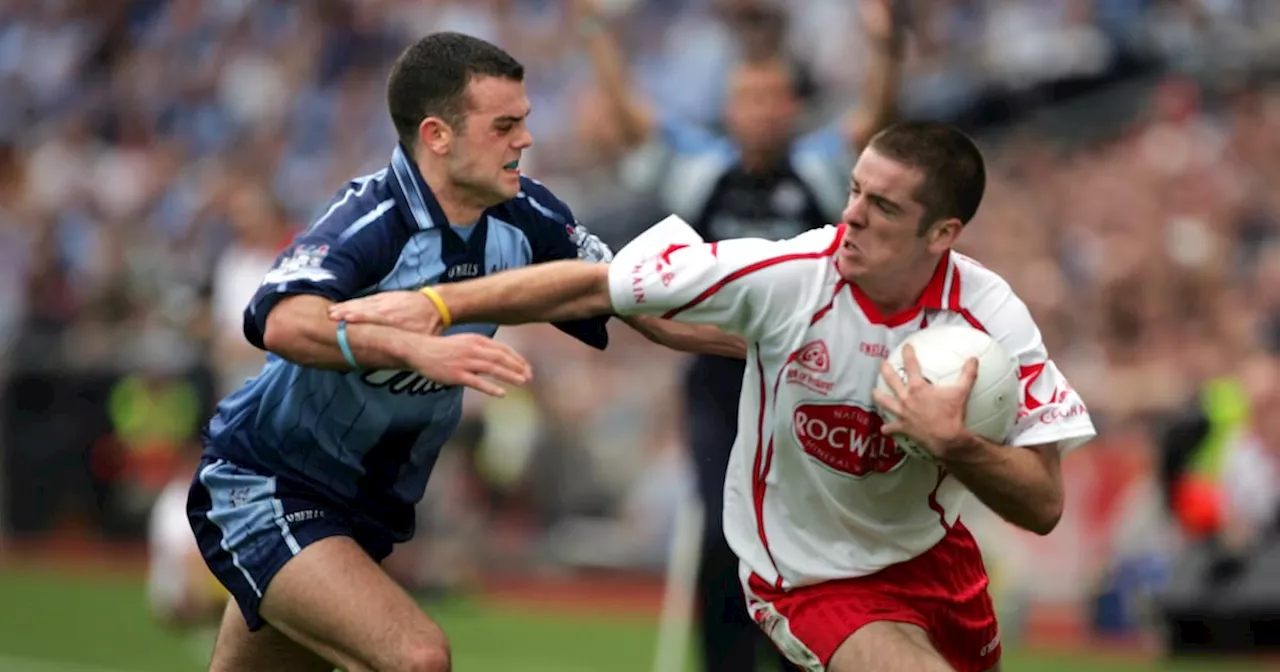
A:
(943, 234)
(435, 135)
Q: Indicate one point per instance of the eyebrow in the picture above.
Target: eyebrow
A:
(511, 118)
(883, 202)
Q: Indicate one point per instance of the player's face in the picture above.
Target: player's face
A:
(762, 107)
(883, 233)
(484, 160)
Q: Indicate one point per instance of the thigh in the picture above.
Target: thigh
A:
(885, 646)
(295, 568)
(810, 624)
(266, 650)
(334, 597)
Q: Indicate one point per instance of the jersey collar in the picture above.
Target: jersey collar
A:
(934, 297)
(414, 198)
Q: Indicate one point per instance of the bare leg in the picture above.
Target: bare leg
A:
(886, 646)
(332, 605)
(238, 650)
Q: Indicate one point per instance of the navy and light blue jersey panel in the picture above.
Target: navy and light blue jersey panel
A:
(369, 440)
(248, 525)
(354, 244)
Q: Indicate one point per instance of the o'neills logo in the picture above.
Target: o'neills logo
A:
(846, 438)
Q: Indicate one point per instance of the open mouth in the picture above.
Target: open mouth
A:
(514, 166)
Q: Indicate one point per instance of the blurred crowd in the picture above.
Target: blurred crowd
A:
(156, 154)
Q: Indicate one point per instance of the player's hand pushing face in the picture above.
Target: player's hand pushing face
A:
(931, 414)
(406, 310)
(471, 360)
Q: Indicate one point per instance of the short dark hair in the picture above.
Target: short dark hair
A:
(954, 173)
(430, 79)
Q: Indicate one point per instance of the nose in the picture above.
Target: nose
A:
(855, 210)
(524, 139)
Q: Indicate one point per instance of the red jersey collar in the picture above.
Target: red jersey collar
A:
(932, 298)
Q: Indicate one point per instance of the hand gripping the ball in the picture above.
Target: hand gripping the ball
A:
(925, 420)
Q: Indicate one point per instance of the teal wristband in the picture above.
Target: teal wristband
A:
(345, 347)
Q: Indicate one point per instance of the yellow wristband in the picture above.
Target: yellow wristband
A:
(445, 318)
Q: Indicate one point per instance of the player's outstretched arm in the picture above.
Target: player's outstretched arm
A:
(667, 272)
(549, 292)
(556, 291)
(299, 330)
(552, 292)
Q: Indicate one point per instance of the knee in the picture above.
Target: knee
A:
(427, 656)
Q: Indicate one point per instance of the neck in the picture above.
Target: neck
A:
(458, 207)
(897, 291)
(760, 162)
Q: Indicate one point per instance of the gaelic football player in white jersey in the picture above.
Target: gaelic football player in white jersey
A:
(854, 558)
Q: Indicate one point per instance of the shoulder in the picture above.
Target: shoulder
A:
(823, 241)
(988, 301)
(355, 207)
(814, 246)
(536, 211)
(536, 202)
(977, 287)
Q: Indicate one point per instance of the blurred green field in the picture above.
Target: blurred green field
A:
(60, 622)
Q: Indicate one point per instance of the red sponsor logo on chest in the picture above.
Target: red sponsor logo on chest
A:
(846, 438)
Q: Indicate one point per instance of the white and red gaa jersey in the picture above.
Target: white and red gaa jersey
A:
(814, 491)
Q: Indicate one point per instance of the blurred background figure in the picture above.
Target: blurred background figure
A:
(183, 594)
(154, 153)
(261, 230)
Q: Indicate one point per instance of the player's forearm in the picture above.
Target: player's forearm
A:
(1017, 483)
(299, 330)
(558, 291)
(695, 338)
(879, 92)
(628, 112)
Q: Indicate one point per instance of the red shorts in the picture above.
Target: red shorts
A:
(943, 591)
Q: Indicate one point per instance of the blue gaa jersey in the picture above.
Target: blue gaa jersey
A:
(368, 440)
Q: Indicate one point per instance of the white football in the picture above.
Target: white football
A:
(942, 350)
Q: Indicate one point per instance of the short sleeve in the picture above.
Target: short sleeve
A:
(560, 236)
(670, 272)
(1049, 410)
(336, 258)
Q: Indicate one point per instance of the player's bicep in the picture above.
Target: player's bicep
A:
(313, 265)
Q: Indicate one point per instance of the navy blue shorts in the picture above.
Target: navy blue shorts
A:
(248, 526)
